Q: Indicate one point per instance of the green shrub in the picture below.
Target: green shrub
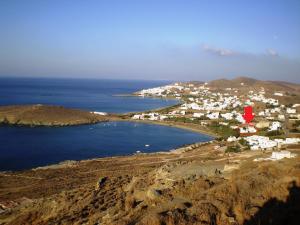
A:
(270, 106)
(296, 124)
(180, 119)
(243, 142)
(223, 131)
(294, 130)
(219, 139)
(233, 149)
(274, 133)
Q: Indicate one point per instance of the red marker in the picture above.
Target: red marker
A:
(248, 115)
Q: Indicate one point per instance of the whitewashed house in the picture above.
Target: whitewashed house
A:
(213, 115)
(278, 94)
(274, 126)
(198, 115)
(247, 130)
(282, 155)
(231, 139)
(291, 111)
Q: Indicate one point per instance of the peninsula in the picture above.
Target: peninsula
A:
(46, 115)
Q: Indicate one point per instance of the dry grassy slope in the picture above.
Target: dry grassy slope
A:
(255, 194)
(45, 115)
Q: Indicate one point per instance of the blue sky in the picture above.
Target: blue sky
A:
(178, 40)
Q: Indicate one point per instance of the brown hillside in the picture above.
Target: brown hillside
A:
(156, 189)
(255, 84)
(44, 115)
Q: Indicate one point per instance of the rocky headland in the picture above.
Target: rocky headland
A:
(47, 115)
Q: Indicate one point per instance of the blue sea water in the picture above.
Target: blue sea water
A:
(27, 147)
(88, 94)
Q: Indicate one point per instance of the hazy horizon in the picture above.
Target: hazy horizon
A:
(137, 79)
(150, 40)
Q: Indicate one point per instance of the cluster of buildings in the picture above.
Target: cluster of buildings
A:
(199, 101)
(257, 142)
(212, 104)
(259, 96)
(149, 116)
(163, 91)
(174, 90)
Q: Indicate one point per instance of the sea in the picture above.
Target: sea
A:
(29, 147)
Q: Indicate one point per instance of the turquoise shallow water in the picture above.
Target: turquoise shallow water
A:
(26, 147)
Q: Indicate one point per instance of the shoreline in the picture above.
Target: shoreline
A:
(148, 96)
(184, 126)
(110, 118)
(177, 150)
(71, 163)
(17, 122)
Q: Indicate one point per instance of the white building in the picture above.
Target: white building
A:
(213, 116)
(290, 111)
(278, 94)
(247, 130)
(198, 115)
(100, 113)
(282, 155)
(137, 117)
(231, 139)
(288, 141)
(274, 126)
(277, 156)
(240, 118)
(257, 142)
(227, 116)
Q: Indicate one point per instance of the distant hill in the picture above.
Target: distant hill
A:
(246, 83)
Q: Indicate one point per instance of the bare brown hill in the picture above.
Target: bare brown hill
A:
(246, 83)
(44, 115)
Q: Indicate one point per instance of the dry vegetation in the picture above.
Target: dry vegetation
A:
(188, 186)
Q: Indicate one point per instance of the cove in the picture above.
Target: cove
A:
(27, 147)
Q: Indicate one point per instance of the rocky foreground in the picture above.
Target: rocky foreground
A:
(46, 115)
(198, 184)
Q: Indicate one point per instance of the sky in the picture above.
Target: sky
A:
(151, 39)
